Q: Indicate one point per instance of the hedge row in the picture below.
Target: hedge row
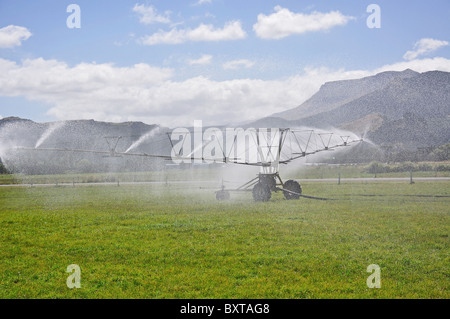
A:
(377, 167)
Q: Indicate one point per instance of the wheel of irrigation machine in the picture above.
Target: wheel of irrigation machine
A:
(292, 186)
(268, 180)
(261, 192)
(222, 195)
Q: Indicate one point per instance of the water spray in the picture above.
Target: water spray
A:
(52, 128)
(143, 138)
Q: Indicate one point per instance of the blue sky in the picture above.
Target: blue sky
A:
(220, 61)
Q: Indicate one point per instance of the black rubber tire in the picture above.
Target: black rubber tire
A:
(222, 195)
(268, 180)
(261, 192)
(292, 186)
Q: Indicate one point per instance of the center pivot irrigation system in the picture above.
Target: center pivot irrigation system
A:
(264, 148)
(267, 149)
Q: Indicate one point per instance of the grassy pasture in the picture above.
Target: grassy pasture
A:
(169, 241)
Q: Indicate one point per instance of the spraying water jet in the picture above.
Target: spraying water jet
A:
(143, 138)
(50, 130)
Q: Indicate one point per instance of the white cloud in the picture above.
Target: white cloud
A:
(284, 23)
(424, 46)
(200, 2)
(149, 14)
(236, 64)
(144, 93)
(13, 35)
(418, 65)
(204, 59)
(231, 31)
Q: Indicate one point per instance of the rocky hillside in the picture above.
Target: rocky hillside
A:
(407, 108)
(82, 135)
(337, 93)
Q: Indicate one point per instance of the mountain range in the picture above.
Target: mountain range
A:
(135, 137)
(407, 108)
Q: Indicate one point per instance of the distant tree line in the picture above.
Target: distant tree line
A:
(377, 167)
(390, 153)
(440, 154)
(432, 154)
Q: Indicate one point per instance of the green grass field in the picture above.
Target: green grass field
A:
(166, 241)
